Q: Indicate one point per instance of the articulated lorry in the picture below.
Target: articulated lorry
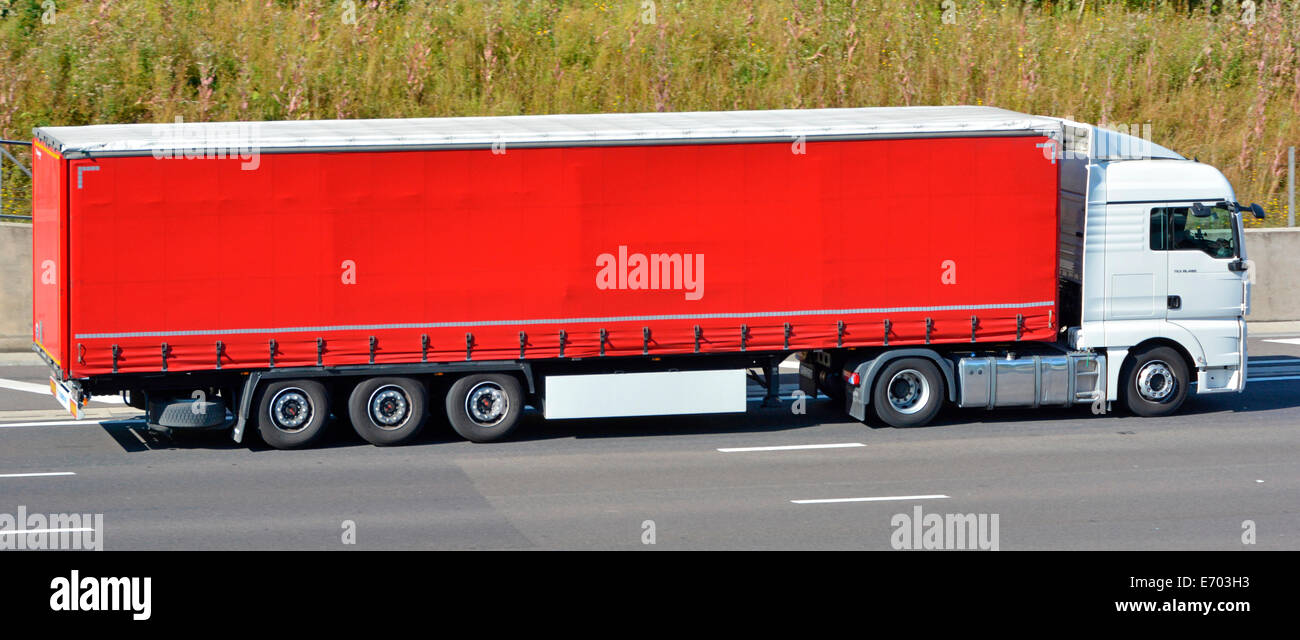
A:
(265, 277)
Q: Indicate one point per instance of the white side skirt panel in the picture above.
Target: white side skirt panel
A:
(1220, 380)
(1114, 363)
(657, 393)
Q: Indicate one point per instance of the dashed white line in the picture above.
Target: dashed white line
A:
(52, 423)
(11, 532)
(89, 422)
(1271, 378)
(1283, 340)
(29, 387)
(793, 447)
(875, 499)
(44, 389)
(38, 475)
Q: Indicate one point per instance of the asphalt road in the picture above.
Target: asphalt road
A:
(1056, 479)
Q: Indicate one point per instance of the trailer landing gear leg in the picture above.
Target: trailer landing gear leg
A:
(773, 396)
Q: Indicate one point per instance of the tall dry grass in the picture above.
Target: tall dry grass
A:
(1209, 84)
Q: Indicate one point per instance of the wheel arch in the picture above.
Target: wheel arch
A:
(1126, 337)
(868, 370)
(1121, 358)
(1149, 343)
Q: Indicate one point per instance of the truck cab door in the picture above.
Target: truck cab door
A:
(1203, 254)
(1207, 277)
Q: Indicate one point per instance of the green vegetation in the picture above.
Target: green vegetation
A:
(1209, 84)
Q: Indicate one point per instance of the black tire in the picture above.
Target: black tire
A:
(388, 411)
(1155, 381)
(500, 398)
(917, 388)
(298, 396)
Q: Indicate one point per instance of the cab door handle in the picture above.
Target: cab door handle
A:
(1175, 302)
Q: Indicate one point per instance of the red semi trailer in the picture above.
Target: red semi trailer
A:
(266, 275)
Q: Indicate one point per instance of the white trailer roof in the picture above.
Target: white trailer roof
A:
(543, 130)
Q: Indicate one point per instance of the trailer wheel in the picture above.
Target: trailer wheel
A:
(485, 407)
(1155, 382)
(292, 414)
(388, 411)
(908, 393)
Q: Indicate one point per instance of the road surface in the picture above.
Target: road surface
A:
(1056, 479)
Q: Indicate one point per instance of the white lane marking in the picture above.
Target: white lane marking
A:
(44, 389)
(1271, 378)
(11, 532)
(1283, 340)
(789, 365)
(793, 447)
(875, 499)
(52, 423)
(138, 437)
(37, 475)
(29, 387)
(66, 423)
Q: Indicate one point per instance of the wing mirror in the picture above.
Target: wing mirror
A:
(1237, 207)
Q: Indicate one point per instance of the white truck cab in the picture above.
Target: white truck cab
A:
(1163, 269)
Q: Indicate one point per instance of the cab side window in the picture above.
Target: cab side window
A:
(1177, 229)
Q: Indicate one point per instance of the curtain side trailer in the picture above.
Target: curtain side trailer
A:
(266, 276)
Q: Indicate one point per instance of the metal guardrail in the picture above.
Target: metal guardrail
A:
(4, 153)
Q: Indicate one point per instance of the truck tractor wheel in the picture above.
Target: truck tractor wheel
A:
(1155, 382)
(388, 411)
(908, 393)
(485, 407)
(292, 413)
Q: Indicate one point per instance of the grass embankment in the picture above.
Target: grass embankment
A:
(1208, 83)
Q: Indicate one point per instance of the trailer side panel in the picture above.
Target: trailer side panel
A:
(479, 251)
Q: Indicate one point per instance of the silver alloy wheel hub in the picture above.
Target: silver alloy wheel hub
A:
(487, 404)
(389, 407)
(908, 391)
(1156, 381)
(290, 410)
